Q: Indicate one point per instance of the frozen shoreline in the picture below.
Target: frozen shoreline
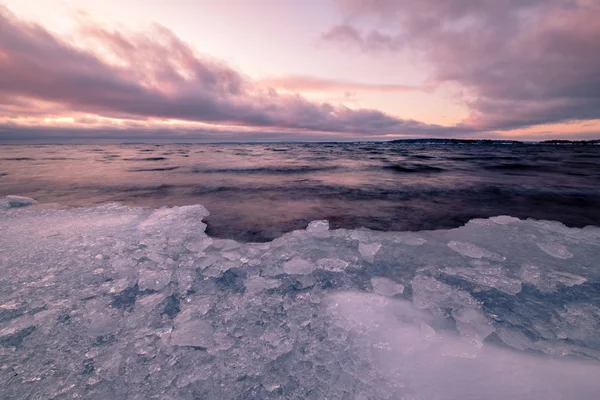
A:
(118, 302)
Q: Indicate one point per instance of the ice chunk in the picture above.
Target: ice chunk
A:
(473, 251)
(555, 250)
(193, 333)
(332, 264)
(472, 323)
(504, 219)
(225, 244)
(365, 312)
(318, 226)
(119, 285)
(484, 274)
(198, 244)
(101, 324)
(368, 251)
(548, 280)
(567, 279)
(514, 338)
(386, 287)
(12, 201)
(298, 266)
(257, 284)
(154, 280)
(429, 293)
(410, 239)
(152, 300)
(231, 255)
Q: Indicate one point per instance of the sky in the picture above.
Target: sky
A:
(285, 70)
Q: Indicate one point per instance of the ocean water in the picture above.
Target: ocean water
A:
(256, 192)
(300, 271)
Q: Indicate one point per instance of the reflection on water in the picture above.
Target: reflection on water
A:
(257, 191)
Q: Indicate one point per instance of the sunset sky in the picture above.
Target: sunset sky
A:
(262, 70)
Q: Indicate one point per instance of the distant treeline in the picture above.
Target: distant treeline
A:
(492, 142)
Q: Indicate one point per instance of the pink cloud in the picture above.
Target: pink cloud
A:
(154, 74)
(525, 62)
(314, 84)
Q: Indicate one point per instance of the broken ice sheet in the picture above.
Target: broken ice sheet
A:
(325, 313)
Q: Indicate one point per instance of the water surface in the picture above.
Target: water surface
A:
(256, 192)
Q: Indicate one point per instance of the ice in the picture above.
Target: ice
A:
(198, 244)
(386, 287)
(438, 365)
(154, 280)
(332, 264)
(194, 333)
(101, 324)
(484, 274)
(548, 281)
(430, 294)
(473, 251)
(318, 227)
(410, 239)
(122, 302)
(12, 201)
(555, 250)
(298, 266)
(258, 284)
(368, 251)
(504, 219)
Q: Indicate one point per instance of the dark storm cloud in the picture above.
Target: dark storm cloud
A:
(524, 62)
(156, 75)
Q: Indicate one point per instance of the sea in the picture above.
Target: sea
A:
(257, 192)
(368, 271)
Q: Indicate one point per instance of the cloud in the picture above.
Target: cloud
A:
(315, 84)
(155, 75)
(523, 62)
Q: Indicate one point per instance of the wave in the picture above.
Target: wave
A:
(146, 159)
(154, 169)
(520, 167)
(414, 168)
(265, 170)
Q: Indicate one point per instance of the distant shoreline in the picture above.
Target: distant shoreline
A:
(358, 142)
(490, 141)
